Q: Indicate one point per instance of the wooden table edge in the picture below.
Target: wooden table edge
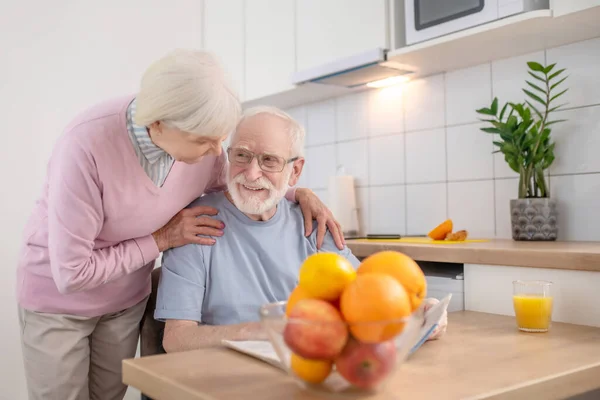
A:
(131, 376)
(515, 389)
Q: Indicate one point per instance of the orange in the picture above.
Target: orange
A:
(325, 275)
(297, 294)
(402, 268)
(372, 305)
(440, 231)
(312, 371)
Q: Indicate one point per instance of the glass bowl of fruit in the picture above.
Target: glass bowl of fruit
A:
(344, 330)
(326, 354)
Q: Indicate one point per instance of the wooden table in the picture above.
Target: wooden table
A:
(482, 356)
(582, 256)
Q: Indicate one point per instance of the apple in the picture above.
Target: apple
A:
(315, 330)
(365, 365)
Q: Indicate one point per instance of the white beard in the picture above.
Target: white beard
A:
(254, 204)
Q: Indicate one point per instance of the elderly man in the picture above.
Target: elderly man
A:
(209, 293)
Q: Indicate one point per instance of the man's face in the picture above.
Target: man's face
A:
(254, 188)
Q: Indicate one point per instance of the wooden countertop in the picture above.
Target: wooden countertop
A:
(482, 356)
(583, 256)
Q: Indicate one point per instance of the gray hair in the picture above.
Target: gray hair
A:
(295, 130)
(188, 90)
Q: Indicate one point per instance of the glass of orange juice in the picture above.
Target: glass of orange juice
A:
(533, 305)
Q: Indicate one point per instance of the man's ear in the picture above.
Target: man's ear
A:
(296, 171)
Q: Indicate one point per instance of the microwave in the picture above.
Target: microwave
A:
(428, 19)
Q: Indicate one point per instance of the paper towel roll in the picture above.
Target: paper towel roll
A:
(342, 202)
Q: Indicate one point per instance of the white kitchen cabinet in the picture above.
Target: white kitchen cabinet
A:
(224, 36)
(269, 47)
(333, 29)
(489, 289)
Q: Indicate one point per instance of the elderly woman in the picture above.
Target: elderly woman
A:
(116, 184)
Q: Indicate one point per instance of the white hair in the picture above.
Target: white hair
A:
(295, 130)
(188, 90)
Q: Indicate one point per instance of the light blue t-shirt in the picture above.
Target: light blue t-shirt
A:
(253, 263)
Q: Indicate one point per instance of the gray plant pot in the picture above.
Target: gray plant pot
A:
(534, 219)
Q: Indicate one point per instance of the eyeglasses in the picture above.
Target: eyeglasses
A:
(266, 162)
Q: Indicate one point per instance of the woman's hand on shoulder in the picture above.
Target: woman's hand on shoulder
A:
(185, 227)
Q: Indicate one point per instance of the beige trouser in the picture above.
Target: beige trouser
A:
(68, 357)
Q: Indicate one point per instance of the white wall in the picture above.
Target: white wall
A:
(419, 157)
(59, 57)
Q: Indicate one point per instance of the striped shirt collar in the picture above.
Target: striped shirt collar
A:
(151, 151)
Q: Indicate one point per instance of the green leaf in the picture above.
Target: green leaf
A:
(486, 111)
(499, 144)
(491, 130)
(556, 96)
(508, 148)
(535, 87)
(558, 83)
(539, 114)
(502, 112)
(536, 77)
(535, 66)
(556, 108)
(557, 73)
(549, 68)
(513, 164)
(555, 122)
(535, 97)
(494, 106)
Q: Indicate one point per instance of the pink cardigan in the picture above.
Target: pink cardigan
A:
(88, 247)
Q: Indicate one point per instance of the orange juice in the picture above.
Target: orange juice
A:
(533, 313)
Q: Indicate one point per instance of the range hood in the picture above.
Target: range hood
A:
(358, 70)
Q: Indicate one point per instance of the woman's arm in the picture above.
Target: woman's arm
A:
(75, 218)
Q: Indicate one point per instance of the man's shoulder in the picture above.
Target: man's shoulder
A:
(210, 200)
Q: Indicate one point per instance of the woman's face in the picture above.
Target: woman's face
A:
(183, 146)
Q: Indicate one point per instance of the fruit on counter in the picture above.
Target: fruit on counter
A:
(312, 371)
(325, 275)
(402, 268)
(459, 236)
(440, 231)
(315, 330)
(373, 305)
(297, 294)
(365, 365)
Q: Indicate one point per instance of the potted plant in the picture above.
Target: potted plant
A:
(523, 136)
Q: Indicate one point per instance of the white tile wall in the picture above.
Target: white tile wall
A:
(352, 116)
(577, 141)
(386, 114)
(320, 122)
(505, 190)
(353, 157)
(467, 90)
(509, 75)
(426, 156)
(321, 164)
(581, 60)
(426, 206)
(388, 209)
(386, 160)
(469, 153)
(419, 157)
(424, 103)
(471, 207)
(579, 201)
